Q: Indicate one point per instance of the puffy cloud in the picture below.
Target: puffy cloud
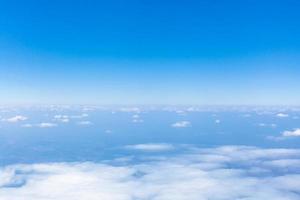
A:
(282, 115)
(17, 118)
(181, 124)
(151, 147)
(226, 173)
(293, 133)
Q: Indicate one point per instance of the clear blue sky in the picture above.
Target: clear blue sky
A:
(150, 52)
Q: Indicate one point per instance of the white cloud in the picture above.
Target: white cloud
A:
(293, 133)
(85, 123)
(108, 131)
(83, 115)
(46, 125)
(137, 120)
(136, 116)
(17, 118)
(61, 118)
(267, 125)
(282, 115)
(225, 173)
(217, 121)
(151, 147)
(181, 124)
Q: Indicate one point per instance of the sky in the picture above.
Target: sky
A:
(98, 98)
(149, 52)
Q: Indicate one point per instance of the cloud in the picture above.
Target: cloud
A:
(46, 125)
(181, 124)
(85, 123)
(136, 116)
(136, 119)
(282, 115)
(286, 134)
(151, 147)
(83, 115)
(15, 119)
(267, 125)
(226, 172)
(217, 121)
(61, 118)
(108, 131)
(293, 133)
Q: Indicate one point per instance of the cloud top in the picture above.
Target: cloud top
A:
(226, 172)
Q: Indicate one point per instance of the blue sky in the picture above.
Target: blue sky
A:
(149, 52)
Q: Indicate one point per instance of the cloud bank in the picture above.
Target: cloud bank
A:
(221, 173)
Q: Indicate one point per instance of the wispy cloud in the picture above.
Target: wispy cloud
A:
(85, 123)
(282, 115)
(62, 118)
(151, 147)
(181, 124)
(15, 119)
(46, 125)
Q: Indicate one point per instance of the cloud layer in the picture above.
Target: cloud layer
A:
(222, 173)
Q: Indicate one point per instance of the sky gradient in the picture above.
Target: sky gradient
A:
(149, 52)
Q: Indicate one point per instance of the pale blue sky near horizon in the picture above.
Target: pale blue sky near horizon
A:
(149, 52)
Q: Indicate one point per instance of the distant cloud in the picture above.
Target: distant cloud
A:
(151, 147)
(61, 118)
(108, 131)
(282, 115)
(83, 115)
(181, 124)
(285, 135)
(267, 125)
(27, 125)
(217, 121)
(136, 116)
(130, 109)
(293, 133)
(137, 120)
(46, 125)
(226, 172)
(15, 119)
(85, 123)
